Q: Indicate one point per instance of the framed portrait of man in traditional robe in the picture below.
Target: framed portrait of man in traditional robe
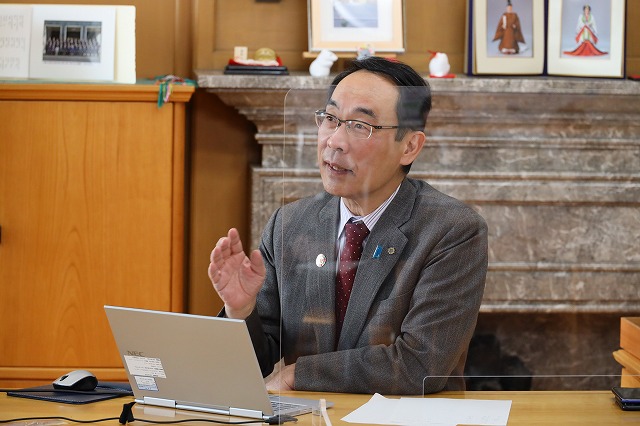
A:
(506, 37)
(586, 38)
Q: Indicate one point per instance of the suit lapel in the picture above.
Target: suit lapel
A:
(320, 293)
(373, 270)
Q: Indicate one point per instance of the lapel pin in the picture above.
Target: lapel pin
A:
(377, 252)
(391, 250)
(321, 260)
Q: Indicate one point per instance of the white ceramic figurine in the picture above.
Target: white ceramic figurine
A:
(321, 66)
(439, 64)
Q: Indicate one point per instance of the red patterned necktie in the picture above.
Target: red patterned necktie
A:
(349, 258)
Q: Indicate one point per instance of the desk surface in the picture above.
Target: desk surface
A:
(533, 407)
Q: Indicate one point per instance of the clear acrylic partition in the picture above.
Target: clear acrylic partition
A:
(563, 255)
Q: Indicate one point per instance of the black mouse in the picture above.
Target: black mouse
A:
(78, 380)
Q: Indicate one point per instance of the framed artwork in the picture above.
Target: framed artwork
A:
(507, 37)
(586, 38)
(346, 25)
(70, 42)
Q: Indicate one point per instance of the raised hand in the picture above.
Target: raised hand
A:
(236, 277)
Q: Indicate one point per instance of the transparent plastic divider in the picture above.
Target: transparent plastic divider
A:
(517, 399)
(531, 382)
(546, 302)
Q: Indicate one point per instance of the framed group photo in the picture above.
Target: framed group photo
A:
(347, 25)
(586, 38)
(507, 37)
(73, 42)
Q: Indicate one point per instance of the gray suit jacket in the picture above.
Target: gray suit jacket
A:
(412, 310)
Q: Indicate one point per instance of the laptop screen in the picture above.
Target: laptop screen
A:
(190, 360)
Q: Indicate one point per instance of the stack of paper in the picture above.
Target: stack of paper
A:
(430, 412)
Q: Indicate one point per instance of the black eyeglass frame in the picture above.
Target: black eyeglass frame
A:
(323, 113)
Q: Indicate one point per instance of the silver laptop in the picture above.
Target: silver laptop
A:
(196, 363)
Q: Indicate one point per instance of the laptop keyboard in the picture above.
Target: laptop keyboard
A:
(279, 405)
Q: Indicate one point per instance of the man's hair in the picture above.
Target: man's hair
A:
(414, 102)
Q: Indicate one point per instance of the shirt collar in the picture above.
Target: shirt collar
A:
(369, 220)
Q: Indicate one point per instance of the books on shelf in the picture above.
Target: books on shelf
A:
(68, 42)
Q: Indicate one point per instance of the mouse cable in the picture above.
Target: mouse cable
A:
(103, 391)
(24, 419)
(127, 417)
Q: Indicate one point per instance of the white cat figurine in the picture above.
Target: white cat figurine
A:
(321, 66)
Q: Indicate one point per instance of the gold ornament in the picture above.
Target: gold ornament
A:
(265, 54)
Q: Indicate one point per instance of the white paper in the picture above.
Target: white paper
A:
(431, 411)
(15, 34)
(378, 410)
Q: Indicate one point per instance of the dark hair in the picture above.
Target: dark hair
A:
(414, 102)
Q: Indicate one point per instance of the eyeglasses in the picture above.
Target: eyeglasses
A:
(329, 123)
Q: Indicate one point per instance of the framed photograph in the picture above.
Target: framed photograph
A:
(346, 25)
(507, 37)
(70, 42)
(586, 38)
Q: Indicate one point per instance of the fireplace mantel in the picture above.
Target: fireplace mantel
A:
(553, 164)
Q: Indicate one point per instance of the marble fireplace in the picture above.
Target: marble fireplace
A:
(553, 165)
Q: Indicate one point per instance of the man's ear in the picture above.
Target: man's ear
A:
(414, 142)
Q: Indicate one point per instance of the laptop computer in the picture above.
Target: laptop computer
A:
(195, 362)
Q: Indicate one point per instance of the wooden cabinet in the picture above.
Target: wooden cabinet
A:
(91, 213)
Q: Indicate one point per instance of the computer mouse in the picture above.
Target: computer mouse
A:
(79, 380)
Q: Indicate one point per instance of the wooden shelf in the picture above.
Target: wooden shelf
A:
(144, 92)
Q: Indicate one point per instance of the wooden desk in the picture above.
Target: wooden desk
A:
(552, 408)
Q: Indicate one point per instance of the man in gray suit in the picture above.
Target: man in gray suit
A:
(414, 302)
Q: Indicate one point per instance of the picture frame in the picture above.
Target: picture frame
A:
(73, 42)
(504, 40)
(347, 25)
(574, 49)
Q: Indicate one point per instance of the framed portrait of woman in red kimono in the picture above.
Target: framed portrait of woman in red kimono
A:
(586, 38)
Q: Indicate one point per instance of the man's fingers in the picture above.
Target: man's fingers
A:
(257, 263)
(235, 244)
